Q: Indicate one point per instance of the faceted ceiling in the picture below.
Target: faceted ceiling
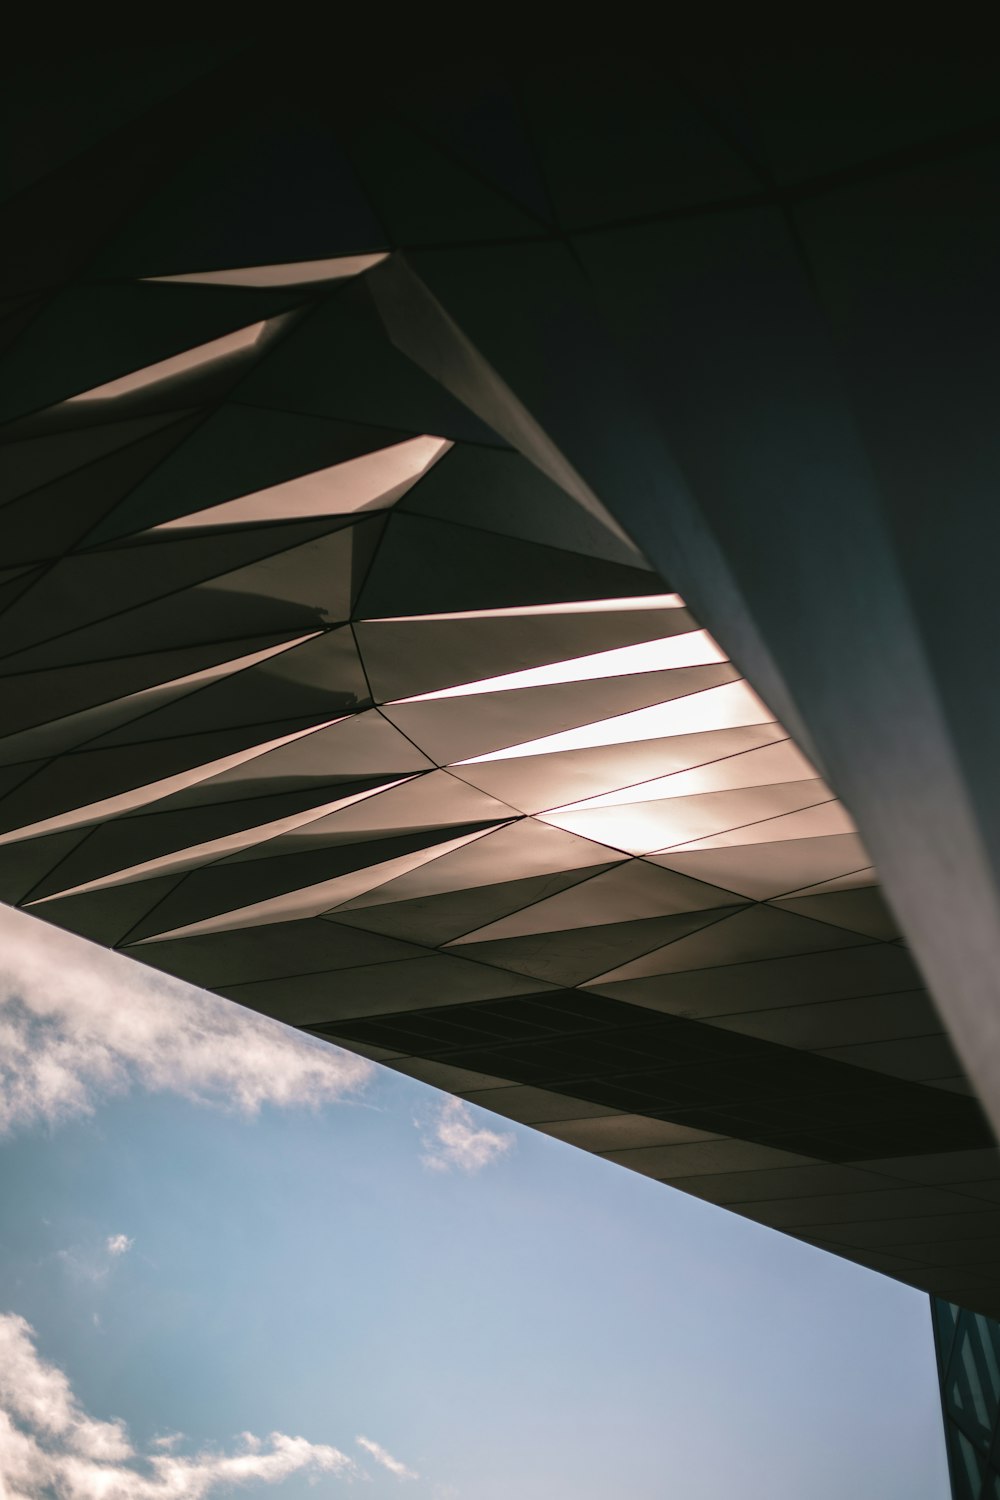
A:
(319, 693)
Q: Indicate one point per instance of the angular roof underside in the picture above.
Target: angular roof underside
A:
(322, 692)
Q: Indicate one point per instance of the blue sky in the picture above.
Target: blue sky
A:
(211, 1227)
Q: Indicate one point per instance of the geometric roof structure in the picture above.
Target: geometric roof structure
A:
(350, 672)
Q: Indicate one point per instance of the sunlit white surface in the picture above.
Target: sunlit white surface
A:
(519, 611)
(372, 480)
(289, 273)
(694, 649)
(824, 821)
(772, 763)
(646, 827)
(727, 707)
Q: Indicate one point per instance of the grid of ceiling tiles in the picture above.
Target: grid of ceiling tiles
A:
(317, 694)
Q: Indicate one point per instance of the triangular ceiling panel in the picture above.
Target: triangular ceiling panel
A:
(628, 891)
(370, 481)
(537, 783)
(92, 784)
(309, 946)
(522, 850)
(108, 916)
(428, 566)
(381, 989)
(777, 868)
(38, 461)
(854, 880)
(824, 818)
(416, 804)
(643, 827)
(101, 723)
(23, 865)
(60, 514)
(338, 363)
(165, 838)
(424, 653)
(359, 746)
(58, 691)
(322, 676)
(115, 331)
(574, 955)
(86, 588)
(239, 450)
(445, 917)
(14, 582)
(760, 984)
(862, 911)
(755, 932)
(311, 273)
(503, 492)
(283, 888)
(293, 590)
(469, 725)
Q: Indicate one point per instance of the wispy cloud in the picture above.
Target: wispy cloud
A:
(453, 1140)
(93, 1262)
(387, 1461)
(79, 1024)
(50, 1446)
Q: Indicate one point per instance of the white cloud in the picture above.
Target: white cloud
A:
(91, 1262)
(78, 1024)
(50, 1446)
(86, 1265)
(387, 1461)
(453, 1140)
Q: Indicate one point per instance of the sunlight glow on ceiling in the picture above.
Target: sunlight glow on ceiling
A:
(177, 364)
(695, 649)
